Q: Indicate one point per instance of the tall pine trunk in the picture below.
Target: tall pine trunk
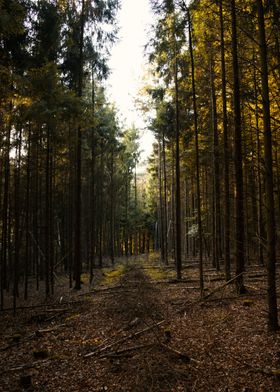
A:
(178, 251)
(239, 205)
(268, 174)
(199, 221)
(226, 151)
(216, 170)
(78, 199)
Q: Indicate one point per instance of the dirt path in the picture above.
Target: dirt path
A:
(129, 336)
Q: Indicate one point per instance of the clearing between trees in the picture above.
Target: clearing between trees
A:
(139, 329)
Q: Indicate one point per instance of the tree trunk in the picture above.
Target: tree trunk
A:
(216, 193)
(17, 191)
(5, 215)
(226, 151)
(239, 207)
(178, 255)
(47, 217)
(201, 279)
(27, 218)
(78, 226)
(112, 210)
(268, 174)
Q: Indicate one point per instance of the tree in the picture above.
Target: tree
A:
(268, 173)
(239, 207)
(226, 149)
(169, 38)
(196, 160)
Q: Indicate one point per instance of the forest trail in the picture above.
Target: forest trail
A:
(140, 330)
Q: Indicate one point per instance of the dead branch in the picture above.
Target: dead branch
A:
(127, 350)
(205, 297)
(42, 306)
(101, 290)
(125, 338)
(180, 354)
(26, 366)
(46, 330)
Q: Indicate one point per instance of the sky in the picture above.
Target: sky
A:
(127, 64)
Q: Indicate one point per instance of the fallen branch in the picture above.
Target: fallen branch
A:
(224, 299)
(46, 330)
(268, 372)
(16, 344)
(253, 369)
(180, 310)
(126, 350)
(33, 335)
(250, 276)
(99, 349)
(93, 291)
(180, 354)
(42, 306)
(220, 287)
(26, 366)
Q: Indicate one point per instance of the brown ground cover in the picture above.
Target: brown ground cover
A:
(138, 329)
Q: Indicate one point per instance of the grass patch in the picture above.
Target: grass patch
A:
(154, 269)
(156, 273)
(113, 276)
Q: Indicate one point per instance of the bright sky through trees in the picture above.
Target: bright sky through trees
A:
(127, 64)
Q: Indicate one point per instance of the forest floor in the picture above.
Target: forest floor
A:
(138, 329)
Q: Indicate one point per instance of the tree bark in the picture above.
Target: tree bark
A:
(216, 169)
(239, 205)
(199, 221)
(226, 151)
(178, 251)
(78, 226)
(268, 174)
